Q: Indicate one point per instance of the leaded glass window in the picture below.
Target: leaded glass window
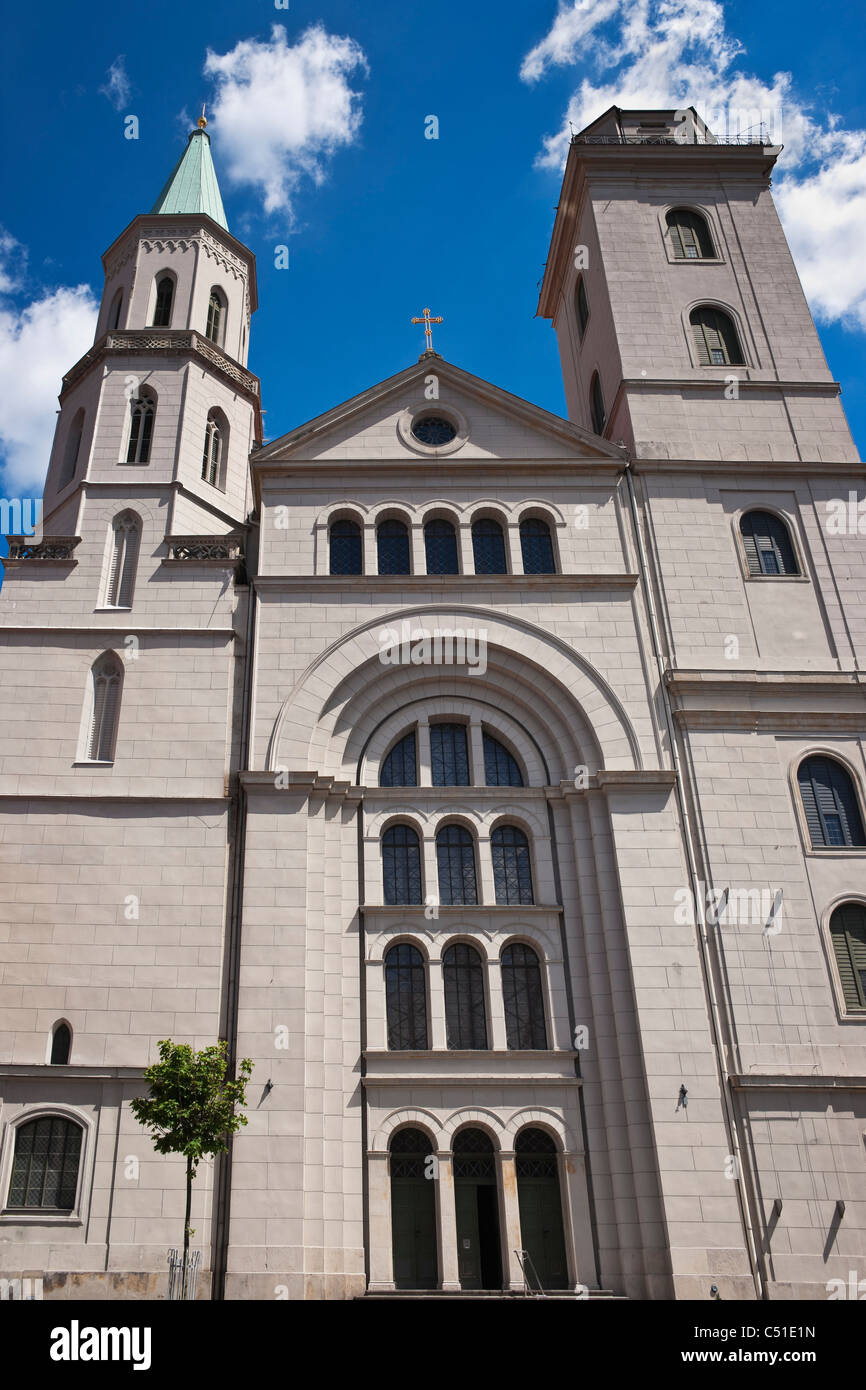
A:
(45, 1165)
(522, 996)
(215, 312)
(392, 545)
(409, 1149)
(141, 413)
(449, 755)
(512, 869)
(535, 1155)
(164, 298)
(401, 865)
(488, 547)
(830, 804)
(536, 547)
(465, 1014)
(405, 998)
(440, 544)
(455, 857)
(500, 768)
(767, 544)
(400, 766)
(345, 548)
(212, 455)
(473, 1154)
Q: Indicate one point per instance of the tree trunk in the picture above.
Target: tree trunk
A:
(186, 1221)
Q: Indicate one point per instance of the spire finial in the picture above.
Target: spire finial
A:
(201, 122)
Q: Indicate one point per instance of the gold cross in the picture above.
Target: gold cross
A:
(427, 322)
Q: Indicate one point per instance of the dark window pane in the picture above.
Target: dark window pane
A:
(405, 998)
(537, 547)
(512, 870)
(830, 804)
(522, 997)
(399, 768)
(582, 306)
(60, 1045)
(500, 769)
(473, 1154)
(440, 543)
(716, 341)
(848, 934)
(596, 405)
(401, 865)
(535, 1154)
(465, 1017)
(45, 1165)
(455, 856)
(409, 1149)
(767, 544)
(345, 543)
(392, 543)
(449, 754)
(164, 296)
(690, 235)
(488, 548)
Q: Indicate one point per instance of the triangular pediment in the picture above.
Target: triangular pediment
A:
(493, 424)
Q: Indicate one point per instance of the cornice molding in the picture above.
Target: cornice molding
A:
(389, 583)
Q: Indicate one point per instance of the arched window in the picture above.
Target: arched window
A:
(689, 235)
(73, 448)
(512, 869)
(848, 934)
(596, 405)
(465, 1014)
(536, 547)
(400, 768)
(716, 341)
(413, 1211)
(106, 676)
(216, 310)
(214, 449)
(830, 806)
(449, 755)
(61, 1043)
(45, 1165)
(488, 547)
(540, 1205)
(581, 306)
(479, 1248)
(500, 768)
(401, 865)
(405, 998)
(114, 311)
(455, 857)
(440, 544)
(142, 410)
(123, 560)
(392, 547)
(767, 543)
(522, 997)
(164, 300)
(345, 548)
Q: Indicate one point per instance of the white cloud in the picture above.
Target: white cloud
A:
(38, 343)
(678, 53)
(280, 111)
(118, 87)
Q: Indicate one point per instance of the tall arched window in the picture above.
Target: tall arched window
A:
(536, 547)
(848, 934)
(61, 1042)
(45, 1165)
(114, 311)
(142, 410)
(512, 868)
(400, 767)
(216, 311)
(106, 675)
(401, 865)
(392, 547)
(716, 341)
(488, 547)
(597, 412)
(581, 306)
(522, 997)
(479, 1249)
(405, 998)
(767, 543)
(440, 545)
(455, 857)
(830, 806)
(73, 448)
(123, 560)
(689, 235)
(214, 449)
(500, 768)
(344, 541)
(465, 1013)
(449, 755)
(164, 301)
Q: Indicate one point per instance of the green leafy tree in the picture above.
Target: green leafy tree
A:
(190, 1109)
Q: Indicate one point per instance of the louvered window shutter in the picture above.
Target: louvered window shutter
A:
(127, 572)
(99, 691)
(109, 716)
(830, 804)
(848, 934)
(117, 553)
(810, 806)
(768, 545)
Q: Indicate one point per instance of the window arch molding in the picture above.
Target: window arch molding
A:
(76, 1215)
(486, 1120)
(746, 346)
(793, 535)
(534, 511)
(442, 511)
(409, 1117)
(843, 1012)
(709, 216)
(448, 411)
(855, 774)
(538, 1117)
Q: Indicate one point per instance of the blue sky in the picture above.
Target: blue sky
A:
(379, 220)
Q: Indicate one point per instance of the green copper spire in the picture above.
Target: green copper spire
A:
(192, 184)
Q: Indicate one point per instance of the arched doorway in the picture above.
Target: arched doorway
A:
(540, 1203)
(413, 1211)
(479, 1246)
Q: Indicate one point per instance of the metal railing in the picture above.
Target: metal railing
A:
(181, 1282)
(529, 1271)
(670, 140)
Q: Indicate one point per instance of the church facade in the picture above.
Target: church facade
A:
(494, 781)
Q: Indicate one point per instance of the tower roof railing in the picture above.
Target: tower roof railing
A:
(670, 140)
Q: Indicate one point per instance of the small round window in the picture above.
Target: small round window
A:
(433, 430)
